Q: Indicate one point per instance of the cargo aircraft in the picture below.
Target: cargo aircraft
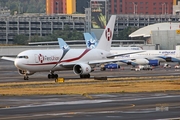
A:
(81, 61)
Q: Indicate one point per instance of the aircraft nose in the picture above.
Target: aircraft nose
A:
(18, 63)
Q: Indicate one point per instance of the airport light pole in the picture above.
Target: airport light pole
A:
(135, 7)
(164, 8)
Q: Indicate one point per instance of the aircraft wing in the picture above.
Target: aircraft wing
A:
(8, 58)
(125, 53)
(103, 61)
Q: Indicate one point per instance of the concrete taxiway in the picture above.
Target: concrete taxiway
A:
(139, 106)
(9, 73)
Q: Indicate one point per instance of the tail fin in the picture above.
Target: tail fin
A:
(63, 44)
(106, 38)
(90, 41)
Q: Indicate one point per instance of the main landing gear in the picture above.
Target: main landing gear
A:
(85, 76)
(51, 76)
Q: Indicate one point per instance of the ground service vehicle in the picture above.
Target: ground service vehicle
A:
(177, 66)
(167, 66)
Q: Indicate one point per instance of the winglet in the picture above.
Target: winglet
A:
(93, 35)
(106, 38)
(91, 42)
(63, 44)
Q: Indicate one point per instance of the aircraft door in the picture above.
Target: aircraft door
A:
(36, 58)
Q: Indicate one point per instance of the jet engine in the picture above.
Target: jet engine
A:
(171, 59)
(22, 72)
(168, 59)
(144, 62)
(154, 62)
(139, 62)
(81, 69)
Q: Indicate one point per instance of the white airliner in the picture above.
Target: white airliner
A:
(81, 61)
(153, 56)
(148, 57)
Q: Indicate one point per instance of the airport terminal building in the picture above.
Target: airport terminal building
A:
(164, 35)
(45, 24)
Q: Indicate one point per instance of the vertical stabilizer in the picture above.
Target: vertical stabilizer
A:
(63, 44)
(91, 42)
(106, 38)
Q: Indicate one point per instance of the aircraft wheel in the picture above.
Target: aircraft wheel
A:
(88, 76)
(85, 76)
(81, 76)
(26, 77)
(49, 76)
(56, 76)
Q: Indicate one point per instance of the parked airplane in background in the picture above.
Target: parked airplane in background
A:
(152, 57)
(81, 61)
(160, 55)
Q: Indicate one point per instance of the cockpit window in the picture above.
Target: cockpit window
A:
(26, 57)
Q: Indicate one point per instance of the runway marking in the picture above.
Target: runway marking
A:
(89, 102)
(178, 118)
(75, 112)
(111, 110)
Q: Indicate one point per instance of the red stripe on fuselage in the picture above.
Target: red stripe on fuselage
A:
(73, 59)
(68, 60)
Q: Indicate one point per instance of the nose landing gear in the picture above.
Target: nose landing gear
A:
(26, 77)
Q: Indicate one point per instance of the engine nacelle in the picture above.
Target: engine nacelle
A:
(168, 59)
(81, 69)
(112, 66)
(171, 59)
(154, 62)
(22, 72)
(139, 62)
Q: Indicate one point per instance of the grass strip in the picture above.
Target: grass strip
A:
(47, 88)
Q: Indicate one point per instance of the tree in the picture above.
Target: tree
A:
(37, 38)
(20, 39)
(124, 34)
